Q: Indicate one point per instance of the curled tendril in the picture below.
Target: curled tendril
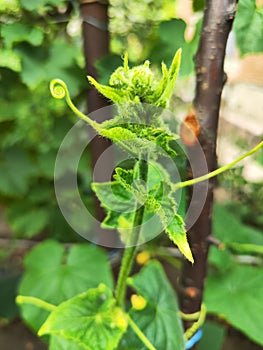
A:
(59, 90)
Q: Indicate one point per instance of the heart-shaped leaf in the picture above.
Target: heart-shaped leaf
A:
(159, 320)
(237, 296)
(90, 320)
(54, 273)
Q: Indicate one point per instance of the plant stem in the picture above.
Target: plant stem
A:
(217, 171)
(130, 252)
(140, 334)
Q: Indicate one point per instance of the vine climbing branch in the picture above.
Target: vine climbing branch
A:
(210, 79)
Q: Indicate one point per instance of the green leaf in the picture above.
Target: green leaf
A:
(9, 5)
(220, 258)
(55, 274)
(151, 139)
(27, 223)
(40, 64)
(114, 197)
(119, 198)
(8, 292)
(164, 205)
(18, 169)
(168, 43)
(212, 331)
(237, 296)
(159, 320)
(39, 4)
(91, 320)
(228, 228)
(129, 88)
(18, 32)
(11, 60)
(125, 138)
(59, 343)
(248, 27)
(177, 234)
(198, 5)
(124, 177)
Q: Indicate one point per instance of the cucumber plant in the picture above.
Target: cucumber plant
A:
(101, 317)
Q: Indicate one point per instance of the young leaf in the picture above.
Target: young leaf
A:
(139, 85)
(159, 320)
(162, 203)
(119, 198)
(173, 72)
(177, 234)
(114, 197)
(91, 320)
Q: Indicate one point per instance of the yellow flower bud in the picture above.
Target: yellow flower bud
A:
(143, 257)
(138, 302)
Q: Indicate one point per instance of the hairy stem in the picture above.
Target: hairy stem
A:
(130, 252)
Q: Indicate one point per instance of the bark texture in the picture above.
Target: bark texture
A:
(210, 79)
(96, 45)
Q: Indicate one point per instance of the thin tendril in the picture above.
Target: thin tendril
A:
(21, 299)
(200, 316)
(217, 171)
(59, 90)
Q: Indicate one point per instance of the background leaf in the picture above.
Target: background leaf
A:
(55, 274)
(248, 27)
(237, 296)
(39, 4)
(228, 228)
(17, 32)
(160, 319)
(168, 44)
(18, 168)
(27, 221)
(11, 60)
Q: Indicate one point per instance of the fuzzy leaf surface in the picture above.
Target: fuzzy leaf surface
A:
(91, 320)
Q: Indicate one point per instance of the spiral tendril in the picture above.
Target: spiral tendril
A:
(59, 90)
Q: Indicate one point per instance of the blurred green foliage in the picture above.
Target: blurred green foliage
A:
(246, 197)
(35, 47)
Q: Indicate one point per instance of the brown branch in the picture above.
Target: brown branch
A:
(96, 45)
(210, 79)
